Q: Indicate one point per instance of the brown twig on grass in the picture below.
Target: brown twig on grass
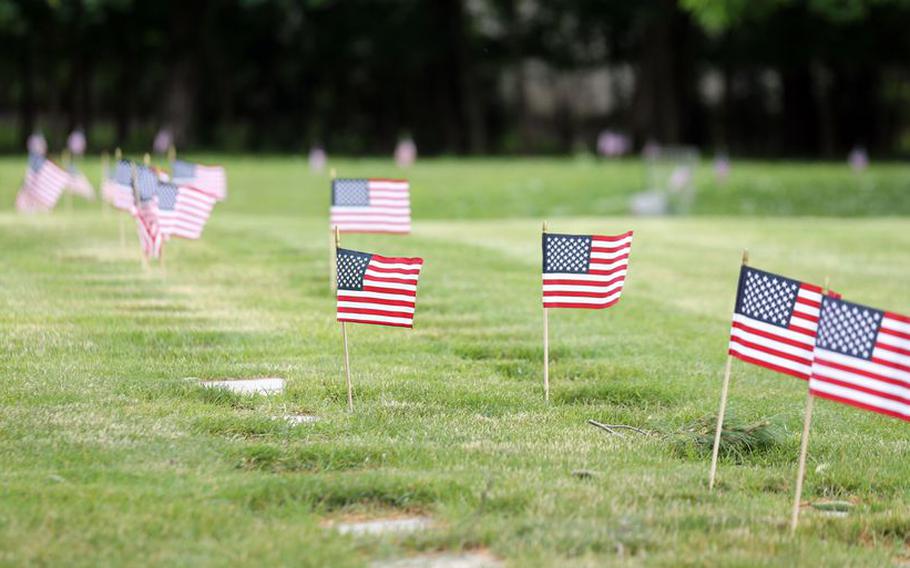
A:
(609, 428)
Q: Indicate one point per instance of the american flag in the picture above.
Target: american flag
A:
(146, 211)
(584, 271)
(183, 211)
(862, 358)
(44, 182)
(79, 184)
(118, 191)
(774, 322)
(376, 289)
(210, 179)
(371, 205)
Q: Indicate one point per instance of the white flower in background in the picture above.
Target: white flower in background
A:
(36, 144)
(76, 142)
(405, 153)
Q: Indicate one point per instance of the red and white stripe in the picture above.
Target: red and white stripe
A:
(118, 195)
(150, 238)
(389, 210)
(190, 214)
(388, 296)
(209, 179)
(42, 188)
(880, 384)
(80, 185)
(784, 349)
(599, 287)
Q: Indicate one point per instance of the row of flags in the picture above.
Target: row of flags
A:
(45, 182)
(165, 205)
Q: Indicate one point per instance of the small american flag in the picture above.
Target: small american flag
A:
(118, 190)
(44, 182)
(584, 271)
(210, 179)
(371, 205)
(862, 358)
(376, 289)
(183, 211)
(774, 322)
(79, 184)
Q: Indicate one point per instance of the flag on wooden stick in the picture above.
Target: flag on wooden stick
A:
(118, 188)
(44, 182)
(862, 358)
(774, 322)
(79, 184)
(376, 289)
(371, 205)
(210, 179)
(584, 271)
(183, 211)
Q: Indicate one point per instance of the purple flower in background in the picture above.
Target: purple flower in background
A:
(76, 142)
(858, 159)
(163, 141)
(36, 144)
(318, 159)
(722, 167)
(405, 153)
(611, 143)
(680, 178)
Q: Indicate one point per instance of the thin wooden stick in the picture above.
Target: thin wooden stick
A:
(344, 336)
(147, 159)
(105, 163)
(804, 448)
(724, 390)
(801, 471)
(333, 247)
(66, 158)
(546, 344)
(145, 263)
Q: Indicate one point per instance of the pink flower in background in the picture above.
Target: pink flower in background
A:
(722, 167)
(680, 178)
(163, 141)
(318, 159)
(651, 149)
(405, 153)
(76, 142)
(611, 143)
(858, 159)
(36, 144)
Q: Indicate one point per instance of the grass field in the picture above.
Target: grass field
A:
(112, 455)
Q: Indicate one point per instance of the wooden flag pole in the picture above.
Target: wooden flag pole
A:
(105, 163)
(333, 247)
(803, 448)
(145, 263)
(724, 390)
(344, 337)
(546, 344)
(67, 160)
(118, 155)
(147, 159)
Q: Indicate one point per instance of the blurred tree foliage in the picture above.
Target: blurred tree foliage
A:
(776, 77)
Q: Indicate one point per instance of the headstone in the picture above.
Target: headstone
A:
(670, 173)
(384, 526)
(612, 144)
(858, 159)
(721, 168)
(405, 153)
(248, 386)
(462, 560)
(318, 159)
(298, 419)
(163, 141)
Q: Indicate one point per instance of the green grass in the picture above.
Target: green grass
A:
(111, 456)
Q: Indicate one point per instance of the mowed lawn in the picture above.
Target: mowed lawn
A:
(112, 454)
